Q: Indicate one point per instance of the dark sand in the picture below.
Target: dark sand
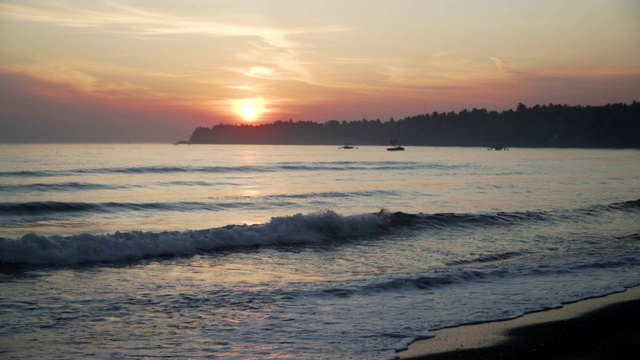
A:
(600, 328)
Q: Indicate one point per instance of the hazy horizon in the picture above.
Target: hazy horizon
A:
(152, 71)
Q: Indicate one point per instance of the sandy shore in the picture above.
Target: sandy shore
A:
(600, 328)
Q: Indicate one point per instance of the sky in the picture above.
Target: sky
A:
(154, 70)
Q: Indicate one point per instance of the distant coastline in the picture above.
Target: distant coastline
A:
(608, 126)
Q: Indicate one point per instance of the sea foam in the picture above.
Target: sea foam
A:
(319, 227)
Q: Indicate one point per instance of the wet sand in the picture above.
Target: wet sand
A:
(600, 328)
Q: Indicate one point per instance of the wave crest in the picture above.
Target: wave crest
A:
(320, 227)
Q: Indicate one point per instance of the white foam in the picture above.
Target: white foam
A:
(325, 226)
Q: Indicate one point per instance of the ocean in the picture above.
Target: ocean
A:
(298, 252)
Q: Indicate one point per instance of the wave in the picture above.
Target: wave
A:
(486, 258)
(373, 165)
(435, 279)
(631, 205)
(439, 220)
(62, 187)
(461, 274)
(46, 208)
(333, 194)
(84, 186)
(318, 166)
(430, 281)
(445, 220)
(136, 170)
(319, 227)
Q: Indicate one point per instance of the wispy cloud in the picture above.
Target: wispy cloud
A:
(127, 20)
(501, 64)
(85, 78)
(260, 72)
(265, 51)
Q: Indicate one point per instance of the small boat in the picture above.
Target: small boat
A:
(395, 146)
(347, 146)
(498, 148)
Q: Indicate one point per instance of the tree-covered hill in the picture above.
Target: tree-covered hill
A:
(611, 125)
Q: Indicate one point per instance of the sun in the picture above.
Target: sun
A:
(249, 109)
(249, 112)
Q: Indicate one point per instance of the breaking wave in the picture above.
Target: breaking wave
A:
(86, 248)
(320, 227)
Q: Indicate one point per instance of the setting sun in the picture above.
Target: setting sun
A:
(163, 68)
(249, 112)
(249, 109)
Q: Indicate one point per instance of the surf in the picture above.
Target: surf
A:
(319, 227)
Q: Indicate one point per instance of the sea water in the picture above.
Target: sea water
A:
(301, 252)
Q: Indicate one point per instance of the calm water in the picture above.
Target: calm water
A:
(141, 250)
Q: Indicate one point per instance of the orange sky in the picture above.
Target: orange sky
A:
(153, 70)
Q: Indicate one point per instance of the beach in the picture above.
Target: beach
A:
(600, 328)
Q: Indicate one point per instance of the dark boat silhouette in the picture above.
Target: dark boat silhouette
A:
(395, 146)
(347, 146)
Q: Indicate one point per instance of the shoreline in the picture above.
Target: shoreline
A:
(604, 327)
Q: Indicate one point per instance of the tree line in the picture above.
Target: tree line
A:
(611, 125)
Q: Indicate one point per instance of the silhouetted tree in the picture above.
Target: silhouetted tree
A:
(612, 125)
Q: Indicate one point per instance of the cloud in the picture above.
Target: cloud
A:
(130, 21)
(501, 64)
(110, 81)
(260, 72)
(272, 48)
